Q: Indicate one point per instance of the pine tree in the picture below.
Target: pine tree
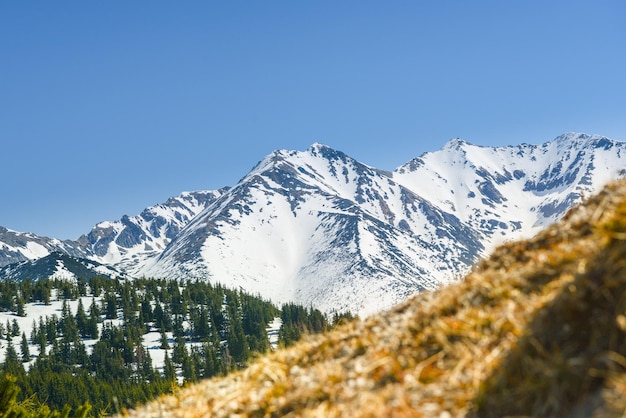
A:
(189, 368)
(165, 345)
(7, 296)
(316, 321)
(41, 291)
(68, 324)
(82, 320)
(80, 354)
(236, 338)
(288, 334)
(63, 352)
(211, 366)
(159, 318)
(179, 329)
(51, 329)
(20, 307)
(15, 328)
(24, 349)
(42, 340)
(94, 318)
(81, 286)
(34, 332)
(95, 284)
(202, 326)
(110, 301)
(169, 371)
(129, 302)
(146, 365)
(47, 295)
(12, 364)
(180, 351)
(178, 305)
(146, 310)
(26, 289)
(67, 290)
(254, 324)
(238, 343)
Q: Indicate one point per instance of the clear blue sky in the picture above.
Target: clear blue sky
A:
(107, 107)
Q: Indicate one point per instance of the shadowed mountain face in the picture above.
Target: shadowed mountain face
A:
(320, 228)
(537, 329)
(57, 265)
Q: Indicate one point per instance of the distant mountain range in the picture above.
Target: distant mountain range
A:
(320, 228)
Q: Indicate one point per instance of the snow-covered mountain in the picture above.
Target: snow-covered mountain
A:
(129, 242)
(318, 227)
(58, 265)
(22, 246)
(512, 192)
(125, 244)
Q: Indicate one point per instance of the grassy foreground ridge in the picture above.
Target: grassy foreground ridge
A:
(538, 329)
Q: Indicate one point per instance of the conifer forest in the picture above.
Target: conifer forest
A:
(94, 355)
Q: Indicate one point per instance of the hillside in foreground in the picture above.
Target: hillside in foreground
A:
(538, 329)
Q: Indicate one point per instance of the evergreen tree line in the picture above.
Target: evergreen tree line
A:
(206, 330)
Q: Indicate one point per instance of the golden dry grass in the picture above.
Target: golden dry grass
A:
(538, 329)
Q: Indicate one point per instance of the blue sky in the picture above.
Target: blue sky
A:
(108, 107)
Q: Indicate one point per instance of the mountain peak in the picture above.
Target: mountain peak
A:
(455, 143)
(570, 137)
(583, 141)
(317, 146)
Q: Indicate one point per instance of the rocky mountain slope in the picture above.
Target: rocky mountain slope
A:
(320, 228)
(120, 244)
(58, 265)
(22, 246)
(537, 329)
(126, 244)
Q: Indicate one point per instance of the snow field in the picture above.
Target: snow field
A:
(151, 340)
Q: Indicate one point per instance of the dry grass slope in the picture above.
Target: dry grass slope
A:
(538, 329)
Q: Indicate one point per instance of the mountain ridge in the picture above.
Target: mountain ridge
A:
(58, 265)
(319, 227)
